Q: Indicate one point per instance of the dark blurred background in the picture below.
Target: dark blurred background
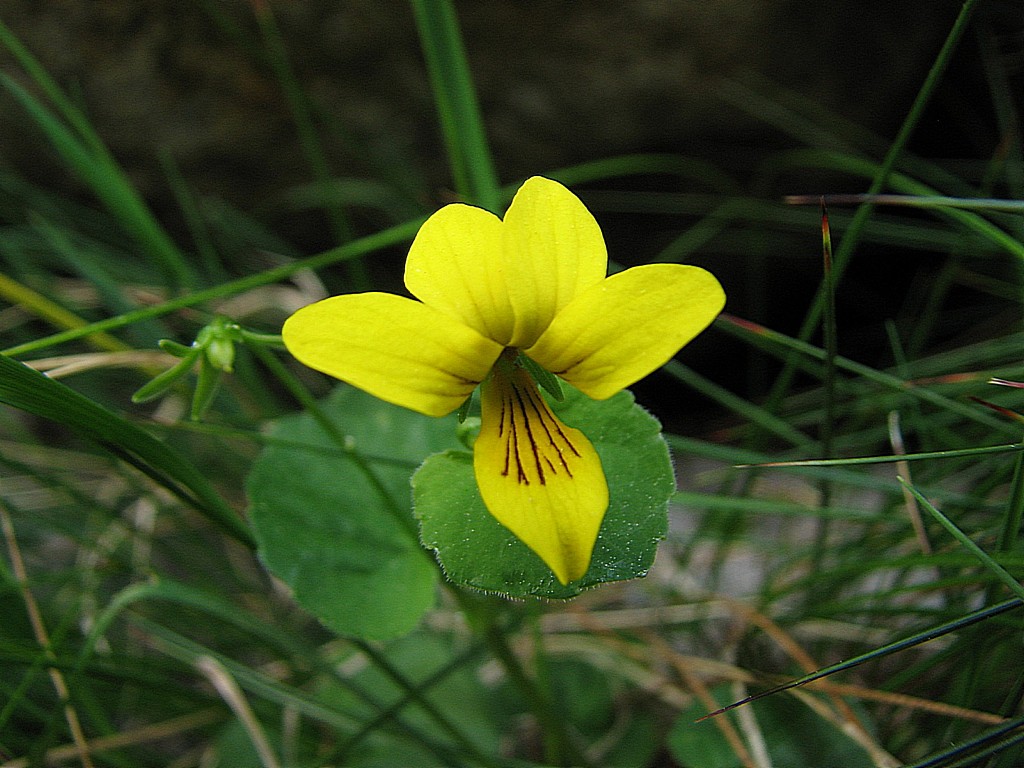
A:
(559, 83)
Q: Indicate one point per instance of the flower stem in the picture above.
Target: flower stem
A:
(559, 747)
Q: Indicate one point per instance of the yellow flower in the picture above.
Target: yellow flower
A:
(491, 290)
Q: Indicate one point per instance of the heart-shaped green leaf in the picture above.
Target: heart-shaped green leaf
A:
(477, 551)
(342, 540)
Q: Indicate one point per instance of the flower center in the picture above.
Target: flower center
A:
(537, 446)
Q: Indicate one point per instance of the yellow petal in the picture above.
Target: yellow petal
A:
(507, 279)
(625, 327)
(553, 250)
(395, 348)
(456, 265)
(538, 477)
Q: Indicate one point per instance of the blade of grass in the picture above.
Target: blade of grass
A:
(829, 332)
(180, 647)
(983, 557)
(900, 645)
(48, 310)
(458, 109)
(828, 383)
(232, 695)
(1010, 534)
(42, 637)
(355, 249)
(26, 389)
(970, 752)
(693, 170)
(311, 146)
(193, 217)
(102, 271)
(1008, 164)
(559, 746)
(913, 201)
(715, 502)
(770, 338)
(906, 185)
(881, 177)
(951, 454)
(84, 152)
(284, 642)
(742, 407)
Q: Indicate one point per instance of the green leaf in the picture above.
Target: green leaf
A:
(207, 385)
(547, 380)
(162, 382)
(335, 525)
(174, 348)
(475, 550)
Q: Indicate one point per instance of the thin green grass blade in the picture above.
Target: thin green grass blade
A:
(263, 685)
(970, 752)
(468, 152)
(983, 557)
(389, 713)
(187, 651)
(694, 170)
(74, 117)
(184, 594)
(885, 650)
(301, 114)
(102, 269)
(286, 643)
(312, 148)
(26, 389)
(768, 339)
(742, 407)
(963, 215)
(889, 459)
(416, 695)
(1005, 99)
(716, 502)
(914, 201)
(830, 333)
(46, 309)
(84, 151)
(193, 217)
(1014, 522)
(110, 186)
(885, 169)
(355, 249)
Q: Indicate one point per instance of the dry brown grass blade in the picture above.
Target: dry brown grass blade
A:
(128, 738)
(42, 637)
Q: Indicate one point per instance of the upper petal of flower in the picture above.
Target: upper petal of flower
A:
(625, 327)
(456, 265)
(508, 279)
(553, 250)
(538, 477)
(395, 348)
